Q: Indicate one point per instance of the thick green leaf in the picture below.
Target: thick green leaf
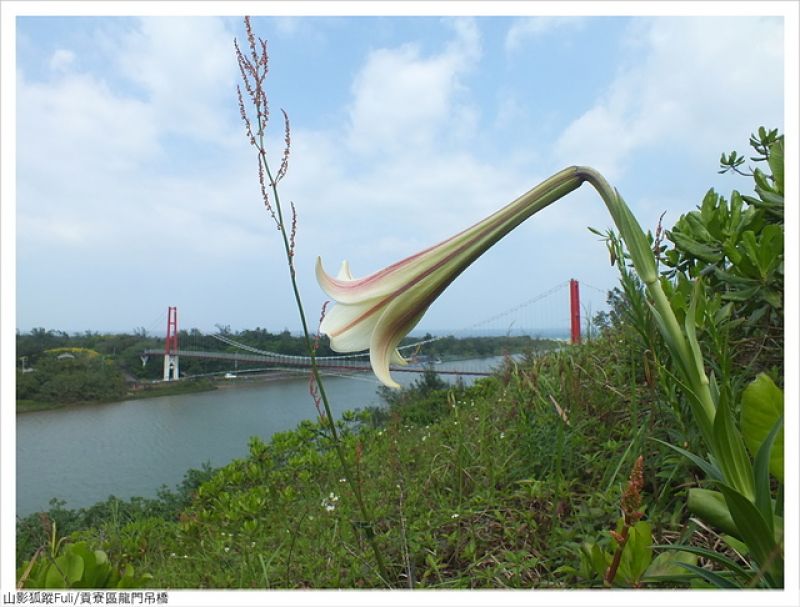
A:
(639, 550)
(762, 406)
(594, 558)
(754, 531)
(87, 578)
(699, 250)
(753, 252)
(64, 571)
(761, 472)
(710, 507)
(711, 555)
(745, 294)
(776, 164)
(668, 563)
(713, 578)
(691, 334)
(771, 247)
(730, 452)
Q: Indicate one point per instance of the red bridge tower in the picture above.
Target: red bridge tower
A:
(575, 311)
(171, 345)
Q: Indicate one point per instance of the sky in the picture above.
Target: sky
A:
(136, 188)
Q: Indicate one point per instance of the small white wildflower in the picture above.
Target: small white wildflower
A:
(173, 555)
(454, 515)
(227, 549)
(343, 480)
(502, 435)
(186, 556)
(424, 438)
(252, 544)
(329, 503)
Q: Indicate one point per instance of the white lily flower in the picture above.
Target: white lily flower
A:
(378, 311)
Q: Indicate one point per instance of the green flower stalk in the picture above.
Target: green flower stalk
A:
(253, 67)
(378, 311)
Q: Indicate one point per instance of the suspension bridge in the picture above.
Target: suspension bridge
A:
(558, 308)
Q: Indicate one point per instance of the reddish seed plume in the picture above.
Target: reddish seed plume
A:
(632, 496)
(246, 70)
(658, 237)
(245, 117)
(251, 39)
(264, 58)
(293, 233)
(254, 70)
(263, 184)
(288, 139)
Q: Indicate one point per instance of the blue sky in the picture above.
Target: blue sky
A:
(136, 188)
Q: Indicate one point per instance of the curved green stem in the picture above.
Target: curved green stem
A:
(351, 480)
(644, 263)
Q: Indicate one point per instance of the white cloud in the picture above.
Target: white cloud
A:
(78, 123)
(100, 166)
(61, 60)
(405, 101)
(185, 66)
(530, 28)
(693, 80)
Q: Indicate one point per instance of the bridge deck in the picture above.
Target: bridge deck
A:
(283, 361)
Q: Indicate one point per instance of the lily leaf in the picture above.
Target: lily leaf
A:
(710, 507)
(721, 559)
(668, 564)
(713, 578)
(730, 452)
(763, 493)
(762, 406)
(755, 532)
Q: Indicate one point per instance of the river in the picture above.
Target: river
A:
(131, 448)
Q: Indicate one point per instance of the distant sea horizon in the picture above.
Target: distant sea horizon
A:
(543, 332)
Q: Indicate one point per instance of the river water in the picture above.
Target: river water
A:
(84, 454)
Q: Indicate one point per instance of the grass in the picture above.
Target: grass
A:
(498, 488)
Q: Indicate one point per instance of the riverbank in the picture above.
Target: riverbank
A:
(140, 392)
(155, 390)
